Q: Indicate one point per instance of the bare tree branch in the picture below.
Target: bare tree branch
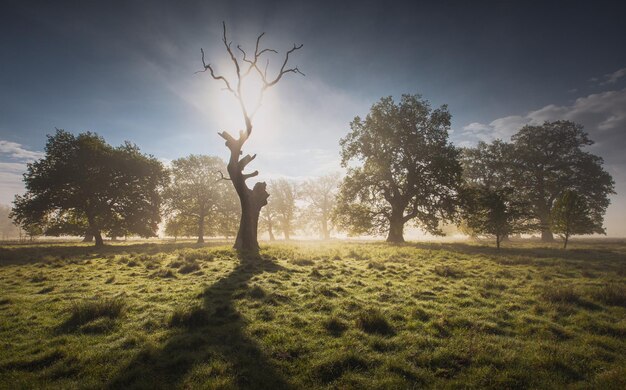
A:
(210, 69)
(252, 64)
(223, 177)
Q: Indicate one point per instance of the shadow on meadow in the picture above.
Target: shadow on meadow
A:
(22, 254)
(208, 347)
(589, 254)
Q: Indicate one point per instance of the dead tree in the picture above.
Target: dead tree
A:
(252, 200)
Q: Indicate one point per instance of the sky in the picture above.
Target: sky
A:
(127, 70)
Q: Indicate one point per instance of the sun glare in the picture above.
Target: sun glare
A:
(227, 110)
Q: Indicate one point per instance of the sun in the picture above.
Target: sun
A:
(227, 109)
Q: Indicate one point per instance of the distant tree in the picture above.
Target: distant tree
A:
(400, 168)
(488, 166)
(84, 183)
(8, 229)
(571, 215)
(174, 227)
(321, 195)
(269, 220)
(494, 212)
(549, 159)
(228, 213)
(196, 192)
(283, 202)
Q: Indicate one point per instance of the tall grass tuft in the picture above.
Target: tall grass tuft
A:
(612, 294)
(560, 294)
(373, 321)
(190, 317)
(87, 311)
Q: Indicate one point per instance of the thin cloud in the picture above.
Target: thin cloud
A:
(17, 151)
(612, 78)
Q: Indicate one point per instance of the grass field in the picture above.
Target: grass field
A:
(313, 315)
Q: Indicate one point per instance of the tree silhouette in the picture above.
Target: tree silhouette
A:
(251, 200)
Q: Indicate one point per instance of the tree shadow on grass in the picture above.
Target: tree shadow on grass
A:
(38, 253)
(211, 339)
(587, 255)
(584, 258)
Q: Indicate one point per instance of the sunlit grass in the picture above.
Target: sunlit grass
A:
(311, 315)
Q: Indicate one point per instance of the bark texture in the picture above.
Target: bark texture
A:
(252, 200)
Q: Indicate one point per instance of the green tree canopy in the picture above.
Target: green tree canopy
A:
(494, 212)
(400, 168)
(488, 165)
(550, 159)
(85, 186)
(198, 197)
(571, 215)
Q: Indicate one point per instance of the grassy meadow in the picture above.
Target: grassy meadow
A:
(348, 315)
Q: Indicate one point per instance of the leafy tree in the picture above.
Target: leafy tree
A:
(494, 212)
(488, 166)
(549, 159)
(84, 183)
(321, 194)
(400, 168)
(174, 227)
(196, 192)
(571, 215)
(283, 202)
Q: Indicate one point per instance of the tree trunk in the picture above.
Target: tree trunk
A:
(200, 229)
(98, 236)
(546, 232)
(286, 233)
(565, 241)
(271, 233)
(94, 230)
(325, 232)
(396, 227)
(88, 237)
(251, 203)
(498, 239)
(251, 200)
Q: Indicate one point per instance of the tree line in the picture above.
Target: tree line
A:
(401, 168)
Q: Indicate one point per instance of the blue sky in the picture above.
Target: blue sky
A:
(126, 71)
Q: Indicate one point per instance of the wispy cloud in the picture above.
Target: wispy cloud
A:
(17, 151)
(13, 160)
(11, 181)
(612, 78)
(603, 115)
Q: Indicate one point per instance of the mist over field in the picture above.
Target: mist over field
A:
(305, 195)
